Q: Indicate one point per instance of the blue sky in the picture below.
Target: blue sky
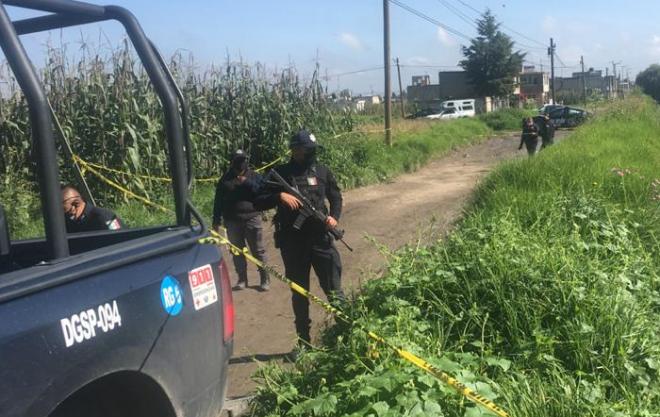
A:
(346, 36)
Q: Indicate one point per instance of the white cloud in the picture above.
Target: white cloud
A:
(351, 40)
(549, 25)
(444, 37)
(655, 46)
(418, 60)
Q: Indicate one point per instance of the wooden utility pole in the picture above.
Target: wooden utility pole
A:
(398, 70)
(584, 81)
(551, 52)
(388, 66)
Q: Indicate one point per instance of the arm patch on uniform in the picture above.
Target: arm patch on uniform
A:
(113, 224)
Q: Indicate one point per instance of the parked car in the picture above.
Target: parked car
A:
(135, 322)
(446, 114)
(568, 116)
(466, 107)
(547, 108)
(421, 113)
(455, 109)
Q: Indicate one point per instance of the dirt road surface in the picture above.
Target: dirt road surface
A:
(426, 202)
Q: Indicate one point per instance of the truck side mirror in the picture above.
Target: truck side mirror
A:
(5, 244)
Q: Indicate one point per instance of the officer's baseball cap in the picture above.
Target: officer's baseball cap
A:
(303, 138)
(238, 154)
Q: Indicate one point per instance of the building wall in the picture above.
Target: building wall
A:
(455, 85)
(425, 96)
(421, 80)
(452, 85)
(573, 85)
(535, 86)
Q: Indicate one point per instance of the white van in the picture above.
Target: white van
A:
(454, 109)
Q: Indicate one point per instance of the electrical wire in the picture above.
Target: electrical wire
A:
(458, 13)
(522, 35)
(429, 19)
(327, 77)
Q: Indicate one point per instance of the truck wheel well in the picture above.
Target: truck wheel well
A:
(121, 394)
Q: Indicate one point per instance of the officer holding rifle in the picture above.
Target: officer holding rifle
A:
(305, 229)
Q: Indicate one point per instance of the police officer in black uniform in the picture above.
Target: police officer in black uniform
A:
(80, 216)
(311, 245)
(233, 203)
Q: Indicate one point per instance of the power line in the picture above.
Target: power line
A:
(327, 77)
(543, 46)
(458, 13)
(429, 66)
(522, 35)
(560, 60)
(430, 19)
(469, 6)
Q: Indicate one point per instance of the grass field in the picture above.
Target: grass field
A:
(545, 299)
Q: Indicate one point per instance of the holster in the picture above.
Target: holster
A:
(297, 224)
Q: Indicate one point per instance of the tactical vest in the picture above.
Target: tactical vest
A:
(312, 185)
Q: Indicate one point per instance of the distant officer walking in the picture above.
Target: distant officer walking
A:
(547, 131)
(310, 245)
(529, 137)
(234, 197)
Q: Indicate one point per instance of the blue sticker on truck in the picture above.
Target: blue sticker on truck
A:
(171, 296)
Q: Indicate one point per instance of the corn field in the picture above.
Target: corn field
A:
(112, 116)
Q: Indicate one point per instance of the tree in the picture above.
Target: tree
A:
(490, 63)
(649, 81)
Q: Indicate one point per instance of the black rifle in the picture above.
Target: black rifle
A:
(307, 209)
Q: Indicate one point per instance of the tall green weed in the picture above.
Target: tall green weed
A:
(545, 299)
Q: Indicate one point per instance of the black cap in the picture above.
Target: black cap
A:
(238, 154)
(303, 138)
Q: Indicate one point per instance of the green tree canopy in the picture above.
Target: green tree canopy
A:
(490, 62)
(649, 81)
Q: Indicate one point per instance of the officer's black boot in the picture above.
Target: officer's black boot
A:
(304, 341)
(241, 284)
(265, 280)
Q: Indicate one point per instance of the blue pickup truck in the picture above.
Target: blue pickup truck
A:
(131, 322)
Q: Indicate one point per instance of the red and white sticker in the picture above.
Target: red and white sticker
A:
(202, 286)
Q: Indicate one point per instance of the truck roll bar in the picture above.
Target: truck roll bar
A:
(66, 13)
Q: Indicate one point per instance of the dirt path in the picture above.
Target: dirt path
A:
(392, 213)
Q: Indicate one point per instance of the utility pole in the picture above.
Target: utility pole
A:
(609, 87)
(615, 86)
(398, 70)
(584, 81)
(388, 65)
(551, 52)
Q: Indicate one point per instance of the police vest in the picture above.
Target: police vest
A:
(312, 186)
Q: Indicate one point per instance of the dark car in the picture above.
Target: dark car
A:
(568, 116)
(550, 107)
(130, 322)
(421, 113)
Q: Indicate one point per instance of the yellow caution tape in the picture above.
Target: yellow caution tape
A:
(268, 165)
(216, 239)
(100, 167)
(87, 167)
(461, 388)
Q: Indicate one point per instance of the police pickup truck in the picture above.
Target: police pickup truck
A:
(131, 322)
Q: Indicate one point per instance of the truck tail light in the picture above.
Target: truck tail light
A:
(227, 303)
